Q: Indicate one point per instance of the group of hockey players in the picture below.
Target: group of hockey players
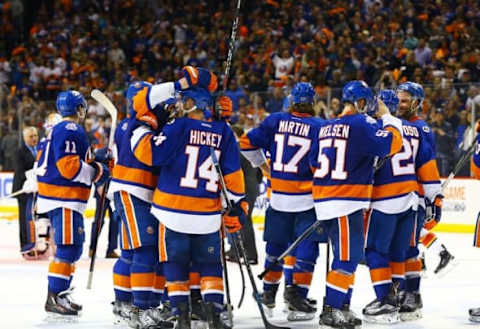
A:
(369, 176)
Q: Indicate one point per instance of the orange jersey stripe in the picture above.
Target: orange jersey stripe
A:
(475, 169)
(235, 182)
(291, 186)
(135, 175)
(121, 280)
(125, 242)
(142, 279)
(143, 150)
(194, 278)
(63, 192)
(428, 172)
(181, 202)
(344, 239)
(380, 274)
(394, 189)
(359, 191)
(69, 165)
(131, 219)
(339, 279)
(245, 143)
(211, 283)
(397, 141)
(397, 268)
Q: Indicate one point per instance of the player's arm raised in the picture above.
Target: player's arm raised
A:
(253, 143)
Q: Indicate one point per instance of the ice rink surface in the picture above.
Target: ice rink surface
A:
(23, 289)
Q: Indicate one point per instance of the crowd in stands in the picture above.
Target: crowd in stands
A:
(52, 45)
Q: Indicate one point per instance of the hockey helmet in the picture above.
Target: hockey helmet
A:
(302, 92)
(69, 102)
(389, 97)
(356, 90)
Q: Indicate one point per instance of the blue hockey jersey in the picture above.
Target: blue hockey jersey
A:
(343, 156)
(288, 137)
(187, 196)
(63, 173)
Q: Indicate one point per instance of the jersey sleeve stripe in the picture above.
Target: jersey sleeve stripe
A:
(143, 150)
(190, 204)
(397, 142)
(346, 191)
(291, 186)
(394, 189)
(63, 192)
(68, 166)
(246, 144)
(135, 175)
(235, 182)
(428, 172)
(141, 103)
(475, 169)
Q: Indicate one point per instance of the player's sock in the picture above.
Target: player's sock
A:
(177, 284)
(142, 276)
(158, 286)
(413, 267)
(338, 285)
(302, 276)
(72, 272)
(121, 277)
(348, 297)
(398, 273)
(288, 264)
(428, 239)
(211, 283)
(380, 272)
(272, 278)
(59, 275)
(436, 246)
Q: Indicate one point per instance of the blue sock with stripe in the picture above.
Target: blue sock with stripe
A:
(121, 277)
(273, 277)
(211, 283)
(177, 283)
(142, 275)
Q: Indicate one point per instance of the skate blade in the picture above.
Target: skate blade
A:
(382, 319)
(450, 266)
(411, 316)
(119, 320)
(475, 319)
(300, 316)
(60, 318)
(197, 324)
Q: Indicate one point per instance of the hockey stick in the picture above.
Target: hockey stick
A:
(101, 204)
(292, 246)
(237, 238)
(225, 276)
(12, 195)
(231, 46)
(459, 165)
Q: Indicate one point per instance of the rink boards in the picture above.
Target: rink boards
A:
(460, 208)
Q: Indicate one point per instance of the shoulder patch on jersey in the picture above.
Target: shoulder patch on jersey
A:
(426, 129)
(206, 125)
(71, 126)
(370, 120)
(125, 126)
(171, 121)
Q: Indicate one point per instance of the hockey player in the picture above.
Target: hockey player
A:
(343, 157)
(133, 183)
(411, 97)
(474, 313)
(288, 137)
(188, 205)
(64, 179)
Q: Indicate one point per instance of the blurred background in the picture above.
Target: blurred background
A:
(52, 45)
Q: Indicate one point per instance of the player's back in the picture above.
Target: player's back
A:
(130, 174)
(66, 144)
(288, 138)
(187, 197)
(343, 157)
(395, 187)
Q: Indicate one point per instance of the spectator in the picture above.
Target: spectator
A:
(275, 103)
(444, 142)
(423, 53)
(9, 148)
(283, 65)
(24, 159)
(236, 93)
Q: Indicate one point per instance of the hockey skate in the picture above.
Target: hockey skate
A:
(183, 319)
(67, 294)
(197, 314)
(299, 309)
(384, 311)
(142, 319)
(121, 312)
(166, 313)
(350, 316)
(474, 314)
(213, 317)
(334, 318)
(446, 264)
(268, 302)
(411, 306)
(58, 308)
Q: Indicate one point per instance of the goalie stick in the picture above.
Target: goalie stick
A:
(100, 210)
(237, 238)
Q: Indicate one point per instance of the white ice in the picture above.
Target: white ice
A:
(24, 286)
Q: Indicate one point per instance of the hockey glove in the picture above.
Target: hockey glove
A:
(200, 77)
(104, 156)
(224, 108)
(101, 175)
(236, 217)
(436, 211)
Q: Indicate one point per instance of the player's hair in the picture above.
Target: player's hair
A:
(302, 108)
